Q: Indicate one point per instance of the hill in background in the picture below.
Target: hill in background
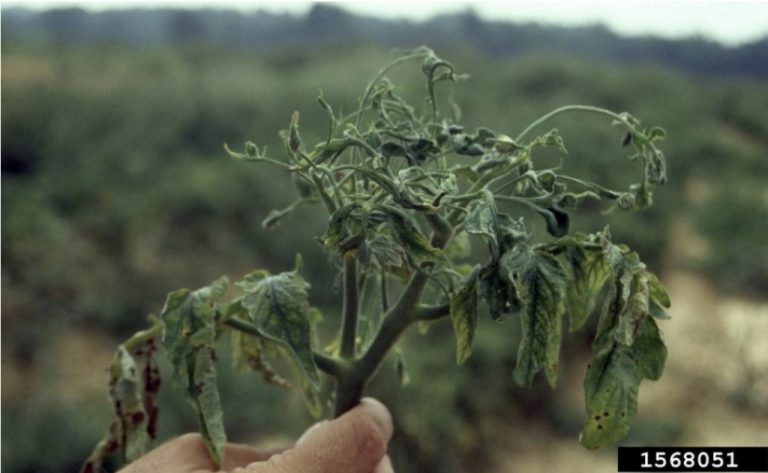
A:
(327, 25)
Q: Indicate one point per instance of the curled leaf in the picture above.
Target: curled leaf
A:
(464, 316)
(134, 382)
(189, 334)
(557, 220)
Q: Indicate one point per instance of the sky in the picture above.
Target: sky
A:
(731, 22)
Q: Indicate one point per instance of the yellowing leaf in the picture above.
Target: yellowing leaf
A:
(248, 354)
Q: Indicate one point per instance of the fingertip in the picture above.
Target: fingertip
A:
(385, 466)
(379, 413)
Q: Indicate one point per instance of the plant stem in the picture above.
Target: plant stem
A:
(349, 310)
(350, 385)
(431, 312)
(140, 338)
(349, 388)
(571, 108)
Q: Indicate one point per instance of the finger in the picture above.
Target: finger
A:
(385, 466)
(356, 442)
(185, 453)
(241, 455)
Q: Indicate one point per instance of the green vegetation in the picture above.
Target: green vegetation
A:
(387, 175)
(93, 231)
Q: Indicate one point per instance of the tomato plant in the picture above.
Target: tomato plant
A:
(404, 189)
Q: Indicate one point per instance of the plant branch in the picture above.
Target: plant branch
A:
(350, 387)
(441, 229)
(431, 312)
(329, 365)
(349, 310)
(140, 338)
(571, 108)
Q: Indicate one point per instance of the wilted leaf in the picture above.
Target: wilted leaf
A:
(499, 230)
(658, 292)
(610, 389)
(278, 305)
(188, 337)
(558, 221)
(540, 280)
(337, 232)
(464, 317)
(133, 385)
(589, 270)
(501, 296)
(409, 236)
(612, 382)
(382, 250)
(635, 311)
(248, 354)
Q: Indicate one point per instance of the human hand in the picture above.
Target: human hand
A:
(356, 442)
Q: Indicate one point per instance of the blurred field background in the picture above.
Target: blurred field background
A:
(116, 190)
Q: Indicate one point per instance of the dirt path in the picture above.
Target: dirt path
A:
(715, 386)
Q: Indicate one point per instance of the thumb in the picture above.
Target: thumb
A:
(354, 443)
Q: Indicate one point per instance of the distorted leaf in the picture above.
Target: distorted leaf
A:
(383, 251)
(134, 381)
(248, 354)
(550, 138)
(635, 311)
(541, 281)
(189, 334)
(650, 349)
(464, 316)
(656, 133)
(589, 270)
(337, 230)
(294, 140)
(612, 382)
(655, 310)
(499, 230)
(658, 292)
(409, 236)
(278, 305)
(501, 296)
(610, 389)
(557, 220)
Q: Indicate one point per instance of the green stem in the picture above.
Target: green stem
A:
(140, 338)
(431, 312)
(349, 310)
(571, 108)
(349, 387)
(380, 75)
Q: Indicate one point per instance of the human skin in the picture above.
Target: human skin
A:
(356, 442)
